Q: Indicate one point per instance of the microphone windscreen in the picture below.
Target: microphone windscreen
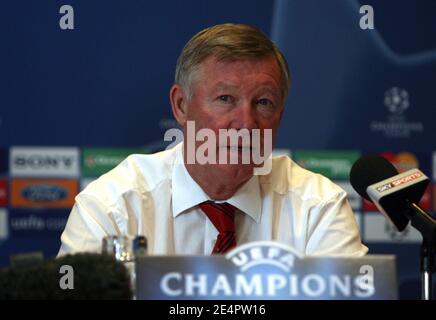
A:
(368, 170)
(95, 276)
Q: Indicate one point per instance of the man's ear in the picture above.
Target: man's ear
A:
(179, 104)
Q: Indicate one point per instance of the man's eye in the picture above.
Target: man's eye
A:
(225, 98)
(265, 102)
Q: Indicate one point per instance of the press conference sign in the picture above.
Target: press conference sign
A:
(44, 162)
(265, 270)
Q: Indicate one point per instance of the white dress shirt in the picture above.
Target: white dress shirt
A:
(154, 196)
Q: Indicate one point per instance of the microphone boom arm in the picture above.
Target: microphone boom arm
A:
(426, 225)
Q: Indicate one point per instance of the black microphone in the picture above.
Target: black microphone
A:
(94, 276)
(395, 195)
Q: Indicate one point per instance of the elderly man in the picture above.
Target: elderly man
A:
(228, 76)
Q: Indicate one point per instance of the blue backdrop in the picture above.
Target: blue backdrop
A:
(105, 84)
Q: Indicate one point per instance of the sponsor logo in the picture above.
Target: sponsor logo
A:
(35, 223)
(402, 161)
(4, 225)
(398, 182)
(335, 165)
(396, 101)
(425, 202)
(44, 162)
(3, 193)
(379, 229)
(43, 193)
(97, 161)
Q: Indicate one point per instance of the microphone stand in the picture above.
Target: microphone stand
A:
(426, 225)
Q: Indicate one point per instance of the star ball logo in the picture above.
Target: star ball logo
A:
(263, 253)
(397, 100)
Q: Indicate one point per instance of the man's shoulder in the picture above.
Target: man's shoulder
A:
(287, 176)
(138, 172)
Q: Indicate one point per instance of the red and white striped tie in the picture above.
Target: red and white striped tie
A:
(222, 216)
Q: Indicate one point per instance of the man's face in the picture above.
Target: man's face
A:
(236, 95)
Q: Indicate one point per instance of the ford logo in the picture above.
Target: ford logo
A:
(44, 193)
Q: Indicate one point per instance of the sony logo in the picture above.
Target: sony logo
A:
(40, 161)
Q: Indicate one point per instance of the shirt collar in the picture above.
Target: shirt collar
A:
(186, 193)
(248, 199)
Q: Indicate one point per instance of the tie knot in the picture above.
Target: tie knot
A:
(222, 215)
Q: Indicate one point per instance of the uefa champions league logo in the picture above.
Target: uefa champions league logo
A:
(263, 253)
(396, 100)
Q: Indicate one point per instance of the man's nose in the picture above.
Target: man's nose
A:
(246, 117)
